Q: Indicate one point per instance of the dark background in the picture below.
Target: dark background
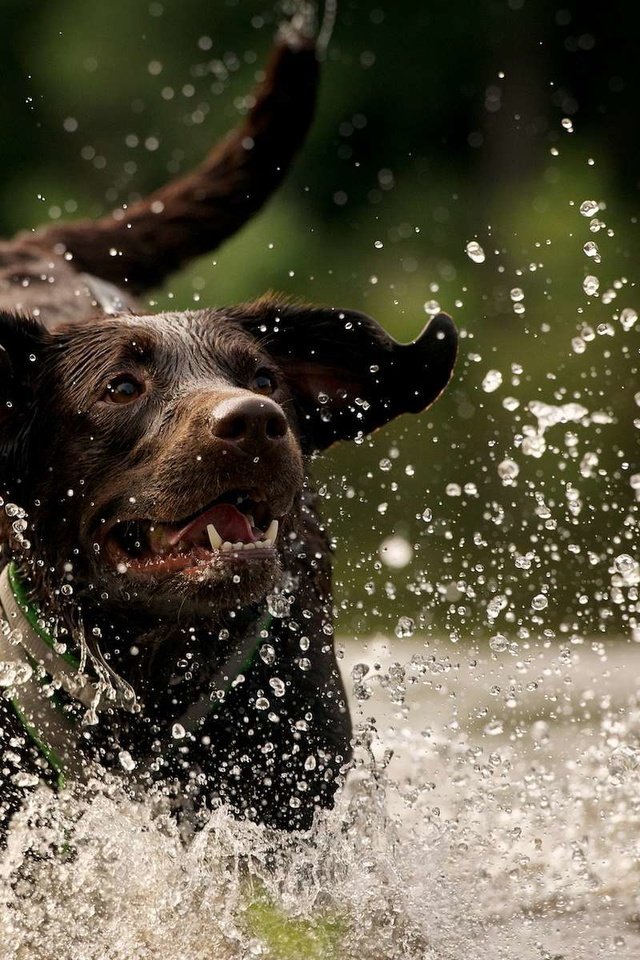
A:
(438, 123)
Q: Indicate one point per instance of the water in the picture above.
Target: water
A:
(469, 828)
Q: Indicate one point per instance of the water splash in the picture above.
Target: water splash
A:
(435, 821)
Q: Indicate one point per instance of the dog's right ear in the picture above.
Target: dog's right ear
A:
(21, 345)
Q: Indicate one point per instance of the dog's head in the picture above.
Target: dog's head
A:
(160, 459)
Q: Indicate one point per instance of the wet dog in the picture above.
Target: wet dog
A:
(166, 582)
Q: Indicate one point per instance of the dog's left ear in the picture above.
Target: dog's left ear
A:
(347, 375)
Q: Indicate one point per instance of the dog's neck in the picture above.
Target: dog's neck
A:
(166, 664)
(163, 663)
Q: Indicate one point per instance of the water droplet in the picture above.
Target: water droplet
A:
(628, 317)
(404, 627)
(432, 307)
(534, 445)
(262, 703)
(624, 564)
(508, 470)
(590, 285)
(494, 728)
(495, 606)
(7, 673)
(492, 381)
(623, 760)
(591, 250)
(24, 779)
(277, 685)
(395, 552)
(589, 207)
(385, 464)
(126, 761)
(359, 671)
(517, 294)
(567, 124)
(605, 330)
(267, 653)
(278, 605)
(539, 602)
(499, 643)
(178, 732)
(475, 252)
(588, 464)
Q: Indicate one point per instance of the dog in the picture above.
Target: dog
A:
(166, 575)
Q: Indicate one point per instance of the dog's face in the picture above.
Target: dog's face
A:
(160, 459)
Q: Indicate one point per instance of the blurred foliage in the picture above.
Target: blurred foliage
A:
(438, 123)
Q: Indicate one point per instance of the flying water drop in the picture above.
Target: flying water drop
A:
(475, 252)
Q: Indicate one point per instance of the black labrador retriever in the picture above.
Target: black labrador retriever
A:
(166, 581)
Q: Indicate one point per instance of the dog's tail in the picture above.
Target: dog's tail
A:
(138, 246)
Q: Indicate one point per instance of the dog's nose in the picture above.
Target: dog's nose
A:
(250, 421)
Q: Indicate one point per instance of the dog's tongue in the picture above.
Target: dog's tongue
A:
(228, 521)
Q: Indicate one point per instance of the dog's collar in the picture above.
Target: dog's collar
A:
(54, 726)
(27, 630)
(49, 723)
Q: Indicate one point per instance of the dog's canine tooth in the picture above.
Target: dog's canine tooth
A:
(272, 532)
(214, 537)
(226, 546)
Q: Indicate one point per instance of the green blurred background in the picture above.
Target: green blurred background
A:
(438, 123)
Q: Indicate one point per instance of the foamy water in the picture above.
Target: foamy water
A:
(467, 830)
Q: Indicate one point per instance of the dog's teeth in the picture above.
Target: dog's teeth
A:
(250, 519)
(249, 546)
(214, 537)
(239, 545)
(272, 532)
(260, 543)
(226, 546)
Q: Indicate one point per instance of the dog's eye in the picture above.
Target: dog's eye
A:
(123, 389)
(263, 382)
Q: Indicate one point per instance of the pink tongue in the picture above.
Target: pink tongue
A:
(228, 521)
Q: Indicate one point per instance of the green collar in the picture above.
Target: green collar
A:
(32, 614)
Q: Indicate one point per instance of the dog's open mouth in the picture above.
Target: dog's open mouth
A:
(236, 525)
